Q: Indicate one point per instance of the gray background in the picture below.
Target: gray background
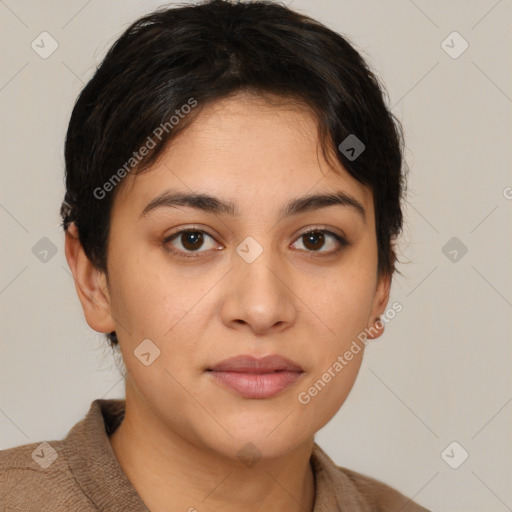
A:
(441, 371)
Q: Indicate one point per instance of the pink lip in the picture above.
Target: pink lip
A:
(256, 378)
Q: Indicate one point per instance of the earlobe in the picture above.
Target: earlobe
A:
(90, 284)
(380, 301)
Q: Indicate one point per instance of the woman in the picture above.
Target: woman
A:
(233, 184)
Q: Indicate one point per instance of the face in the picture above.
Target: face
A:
(246, 280)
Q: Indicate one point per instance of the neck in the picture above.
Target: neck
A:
(171, 473)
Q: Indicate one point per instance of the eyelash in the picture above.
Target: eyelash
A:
(316, 254)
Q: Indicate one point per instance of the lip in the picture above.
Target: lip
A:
(257, 378)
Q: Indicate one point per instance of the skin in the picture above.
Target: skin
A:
(179, 440)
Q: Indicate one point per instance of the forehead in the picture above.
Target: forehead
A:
(244, 148)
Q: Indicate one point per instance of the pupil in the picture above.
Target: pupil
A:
(316, 238)
(196, 239)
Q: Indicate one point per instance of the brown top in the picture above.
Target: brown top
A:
(81, 473)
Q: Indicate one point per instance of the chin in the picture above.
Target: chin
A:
(254, 438)
(250, 450)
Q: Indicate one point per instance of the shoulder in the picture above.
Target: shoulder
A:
(347, 489)
(379, 495)
(36, 477)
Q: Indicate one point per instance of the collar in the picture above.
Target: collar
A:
(96, 469)
(93, 462)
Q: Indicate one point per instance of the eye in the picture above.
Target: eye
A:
(190, 241)
(316, 239)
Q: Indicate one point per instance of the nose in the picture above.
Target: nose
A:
(259, 295)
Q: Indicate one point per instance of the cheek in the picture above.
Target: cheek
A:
(342, 301)
(320, 398)
(343, 304)
(148, 295)
(151, 300)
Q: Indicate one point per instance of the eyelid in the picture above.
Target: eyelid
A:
(325, 229)
(193, 228)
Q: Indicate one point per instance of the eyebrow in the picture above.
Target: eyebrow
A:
(211, 204)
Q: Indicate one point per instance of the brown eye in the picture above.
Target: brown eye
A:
(190, 241)
(314, 240)
(318, 239)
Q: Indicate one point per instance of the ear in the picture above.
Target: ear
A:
(375, 326)
(90, 284)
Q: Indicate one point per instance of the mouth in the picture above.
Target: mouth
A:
(256, 378)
